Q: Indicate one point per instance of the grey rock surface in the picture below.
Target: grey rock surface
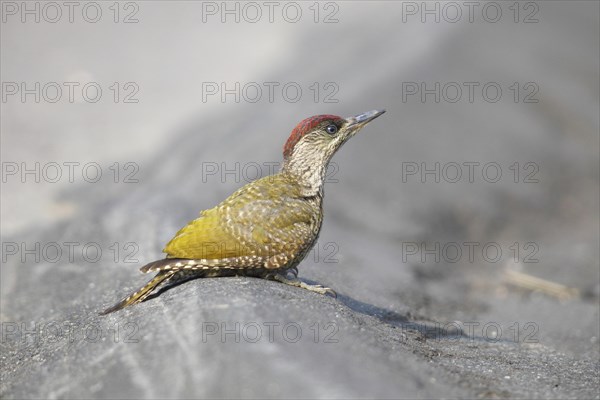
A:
(401, 327)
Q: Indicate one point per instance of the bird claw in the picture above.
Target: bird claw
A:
(298, 283)
(293, 271)
(319, 289)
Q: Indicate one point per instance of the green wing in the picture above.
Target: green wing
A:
(266, 218)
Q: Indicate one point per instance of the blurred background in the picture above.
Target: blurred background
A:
(473, 201)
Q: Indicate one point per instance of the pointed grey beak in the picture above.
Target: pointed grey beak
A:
(363, 119)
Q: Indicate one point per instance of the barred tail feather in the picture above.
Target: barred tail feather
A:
(142, 293)
(166, 264)
(229, 263)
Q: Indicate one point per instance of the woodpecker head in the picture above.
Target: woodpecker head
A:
(315, 140)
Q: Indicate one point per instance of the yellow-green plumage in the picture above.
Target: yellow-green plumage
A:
(265, 228)
(263, 222)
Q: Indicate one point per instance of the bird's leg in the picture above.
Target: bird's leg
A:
(298, 283)
(293, 271)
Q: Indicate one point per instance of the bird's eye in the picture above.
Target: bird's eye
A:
(331, 129)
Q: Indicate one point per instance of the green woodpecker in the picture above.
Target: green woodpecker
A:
(265, 228)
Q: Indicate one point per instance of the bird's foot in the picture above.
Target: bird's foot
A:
(293, 271)
(298, 283)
